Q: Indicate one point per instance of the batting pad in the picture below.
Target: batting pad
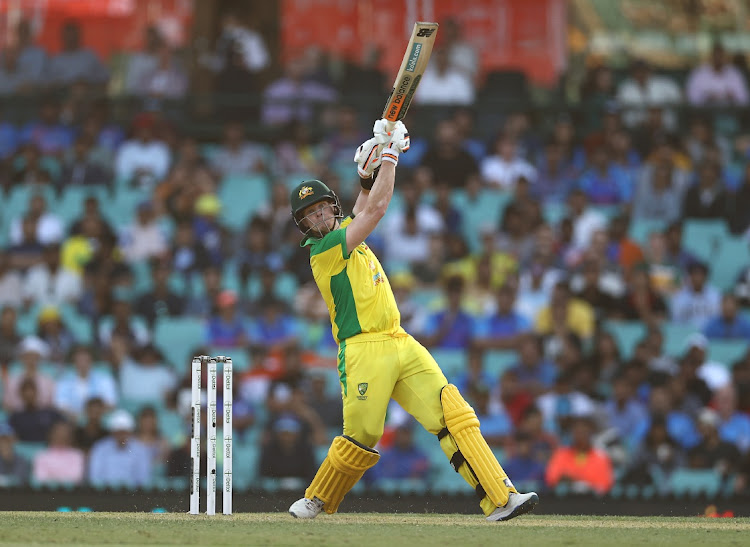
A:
(463, 425)
(345, 464)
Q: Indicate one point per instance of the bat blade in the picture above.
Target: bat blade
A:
(413, 65)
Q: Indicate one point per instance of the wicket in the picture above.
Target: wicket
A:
(195, 436)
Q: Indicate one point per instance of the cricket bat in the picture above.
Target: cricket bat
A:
(413, 65)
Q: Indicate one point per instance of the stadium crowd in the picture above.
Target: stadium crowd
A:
(583, 277)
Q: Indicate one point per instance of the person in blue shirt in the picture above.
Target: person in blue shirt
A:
(734, 426)
(525, 467)
(604, 183)
(535, 374)
(728, 324)
(273, 328)
(625, 413)
(226, 329)
(403, 460)
(120, 459)
(502, 329)
(451, 328)
(496, 425)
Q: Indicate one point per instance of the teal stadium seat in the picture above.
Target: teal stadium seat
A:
(695, 482)
(675, 338)
(240, 198)
(733, 257)
(627, 334)
(245, 469)
(641, 229)
(79, 325)
(727, 352)
(71, 202)
(176, 337)
(704, 238)
(496, 362)
(28, 450)
(483, 212)
(240, 358)
(452, 361)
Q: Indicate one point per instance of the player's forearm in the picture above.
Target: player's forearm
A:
(361, 202)
(382, 190)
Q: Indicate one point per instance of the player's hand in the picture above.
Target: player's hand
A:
(367, 158)
(394, 141)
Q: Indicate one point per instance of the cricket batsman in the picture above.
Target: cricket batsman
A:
(377, 359)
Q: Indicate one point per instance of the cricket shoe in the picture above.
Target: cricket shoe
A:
(517, 504)
(306, 509)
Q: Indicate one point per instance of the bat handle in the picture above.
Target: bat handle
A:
(389, 125)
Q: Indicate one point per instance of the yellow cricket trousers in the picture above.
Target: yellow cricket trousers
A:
(373, 368)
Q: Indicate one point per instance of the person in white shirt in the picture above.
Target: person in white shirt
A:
(443, 84)
(49, 227)
(697, 302)
(142, 159)
(717, 82)
(642, 90)
(505, 167)
(49, 284)
(586, 221)
(236, 156)
(82, 383)
(144, 238)
(148, 380)
(407, 231)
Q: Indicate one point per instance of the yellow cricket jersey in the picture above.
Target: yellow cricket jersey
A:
(354, 286)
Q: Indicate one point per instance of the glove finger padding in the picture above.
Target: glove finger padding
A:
(367, 158)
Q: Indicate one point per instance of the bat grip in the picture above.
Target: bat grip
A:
(389, 125)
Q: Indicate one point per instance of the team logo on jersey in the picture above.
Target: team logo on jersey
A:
(362, 388)
(305, 191)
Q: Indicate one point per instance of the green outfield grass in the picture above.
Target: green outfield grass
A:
(365, 529)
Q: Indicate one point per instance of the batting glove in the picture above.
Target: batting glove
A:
(394, 141)
(367, 158)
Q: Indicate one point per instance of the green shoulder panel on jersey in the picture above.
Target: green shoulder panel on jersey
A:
(346, 319)
(329, 241)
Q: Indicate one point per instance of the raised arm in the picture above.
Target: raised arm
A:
(376, 204)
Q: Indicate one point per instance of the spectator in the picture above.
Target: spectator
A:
(451, 163)
(187, 256)
(505, 328)
(644, 89)
(273, 328)
(443, 83)
(293, 96)
(505, 167)
(53, 332)
(555, 177)
(145, 238)
(742, 288)
(161, 300)
(258, 252)
(494, 420)
(604, 183)
(122, 322)
(147, 432)
(451, 328)
(31, 352)
(11, 284)
(641, 301)
(81, 167)
(91, 429)
(574, 314)
(521, 464)
(287, 453)
(600, 290)
(77, 386)
(712, 452)
(656, 458)
(236, 157)
(240, 42)
(707, 198)
(33, 421)
(46, 133)
(585, 220)
(48, 227)
(142, 160)
(226, 329)
(60, 462)
(700, 375)
(206, 303)
(728, 324)
(209, 233)
(13, 79)
(28, 251)
(144, 62)
(660, 193)
(51, 284)
(626, 414)
(407, 232)
(167, 80)
(75, 62)
(120, 459)
(404, 460)
(739, 207)
(697, 302)
(734, 425)
(327, 406)
(562, 403)
(147, 380)
(585, 467)
(535, 374)
(32, 59)
(717, 83)
(14, 470)
(9, 337)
